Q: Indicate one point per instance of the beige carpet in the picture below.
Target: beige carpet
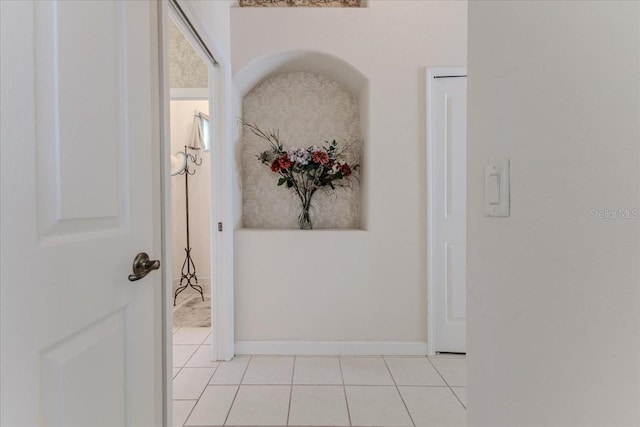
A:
(192, 311)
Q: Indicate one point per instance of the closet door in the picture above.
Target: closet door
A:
(448, 208)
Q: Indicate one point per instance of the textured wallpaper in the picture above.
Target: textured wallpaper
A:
(308, 109)
(299, 3)
(186, 68)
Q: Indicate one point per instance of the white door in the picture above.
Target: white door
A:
(448, 193)
(80, 342)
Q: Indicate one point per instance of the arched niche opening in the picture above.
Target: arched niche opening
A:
(310, 98)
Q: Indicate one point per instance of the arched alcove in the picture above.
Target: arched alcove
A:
(310, 98)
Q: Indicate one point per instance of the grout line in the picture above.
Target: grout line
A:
(179, 368)
(199, 397)
(293, 372)
(237, 391)
(445, 381)
(458, 397)
(192, 354)
(398, 390)
(344, 389)
(317, 385)
(189, 414)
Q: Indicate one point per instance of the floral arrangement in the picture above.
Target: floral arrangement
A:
(306, 170)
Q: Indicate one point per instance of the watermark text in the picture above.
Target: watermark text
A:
(614, 213)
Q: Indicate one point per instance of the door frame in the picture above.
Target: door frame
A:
(221, 242)
(433, 73)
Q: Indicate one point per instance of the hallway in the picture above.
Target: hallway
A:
(314, 391)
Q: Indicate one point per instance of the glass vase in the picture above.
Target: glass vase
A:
(304, 219)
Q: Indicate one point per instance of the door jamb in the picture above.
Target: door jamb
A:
(432, 74)
(222, 316)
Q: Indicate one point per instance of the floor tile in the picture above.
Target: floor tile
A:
(181, 409)
(434, 407)
(376, 406)
(182, 353)
(453, 369)
(413, 371)
(461, 392)
(269, 370)
(202, 358)
(190, 382)
(231, 372)
(318, 406)
(365, 371)
(213, 407)
(317, 370)
(260, 405)
(191, 335)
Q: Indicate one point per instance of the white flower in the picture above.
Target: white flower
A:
(298, 155)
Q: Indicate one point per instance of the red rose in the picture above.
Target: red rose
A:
(320, 157)
(280, 163)
(285, 163)
(345, 169)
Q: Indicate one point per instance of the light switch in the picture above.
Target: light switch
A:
(493, 189)
(496, 189)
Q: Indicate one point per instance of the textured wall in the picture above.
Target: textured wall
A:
(186, 68)
(307, 109)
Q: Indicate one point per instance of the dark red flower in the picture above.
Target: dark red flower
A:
(281, 162)
(345, 169)
(285, 163)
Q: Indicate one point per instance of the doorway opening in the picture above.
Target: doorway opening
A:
(196, 201)
(190, 183)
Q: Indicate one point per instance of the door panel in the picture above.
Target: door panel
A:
(80, 343)
(81, 126)
(69, 371)
(455, 161)
(448, 151)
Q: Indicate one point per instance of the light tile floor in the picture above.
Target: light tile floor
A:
(381, 391)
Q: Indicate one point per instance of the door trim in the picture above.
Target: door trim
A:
(432, 75)
(222, 316)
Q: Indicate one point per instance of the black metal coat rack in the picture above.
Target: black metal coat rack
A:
(188, 275)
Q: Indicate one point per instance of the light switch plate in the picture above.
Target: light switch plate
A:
(496, 189)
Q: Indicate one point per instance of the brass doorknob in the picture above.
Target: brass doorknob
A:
(142, 266)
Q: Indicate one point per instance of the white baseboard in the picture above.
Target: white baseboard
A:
(341, 348)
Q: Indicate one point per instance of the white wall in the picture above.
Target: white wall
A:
(181, 119)
(554, 294)
(211, 19)
(352, 285)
